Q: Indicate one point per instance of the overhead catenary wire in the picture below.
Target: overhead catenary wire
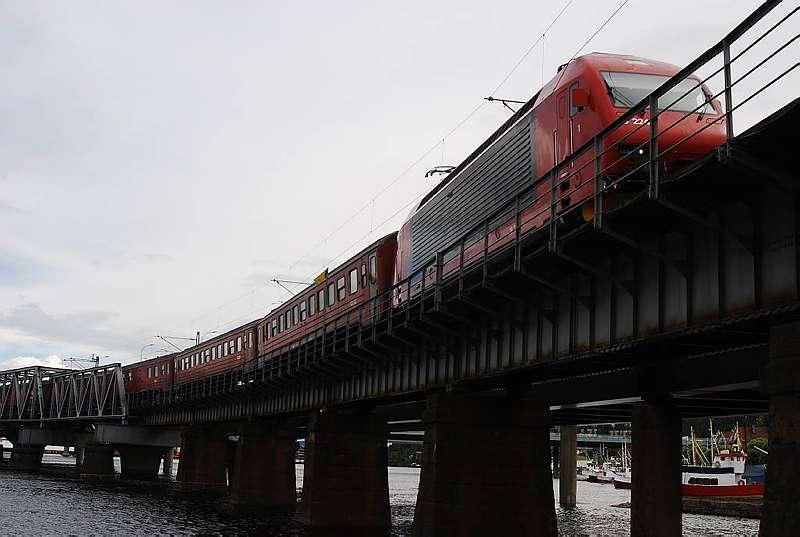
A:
(439, 143)
(369, 205)
(589, 40)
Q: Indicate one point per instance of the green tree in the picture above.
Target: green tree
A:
(754, 455)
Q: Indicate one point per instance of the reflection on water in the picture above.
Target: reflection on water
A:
(60, 504)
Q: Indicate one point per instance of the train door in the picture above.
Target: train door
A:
(566, 111)
(563, 135)
(372, 279)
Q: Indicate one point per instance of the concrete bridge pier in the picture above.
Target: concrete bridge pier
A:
(656, 471)
(169, 459)
(140, 462)
(780, 515)
(263, 472)
(345, 483)
(485, 468)
(96, 461)
(26, 457)
(568, 466)
(204, 461)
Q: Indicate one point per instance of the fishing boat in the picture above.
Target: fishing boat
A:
(724, 475)
(622, 480)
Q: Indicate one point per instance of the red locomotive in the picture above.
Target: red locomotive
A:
(586, 95)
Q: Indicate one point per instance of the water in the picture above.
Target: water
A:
(57, 503)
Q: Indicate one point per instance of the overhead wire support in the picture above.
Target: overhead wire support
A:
(440, 143)
(504, 102)
(166, 339)
(281, 282)
(439, 170)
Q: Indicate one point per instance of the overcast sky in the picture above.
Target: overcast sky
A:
(160, 162)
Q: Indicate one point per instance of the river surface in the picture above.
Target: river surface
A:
(50, 503)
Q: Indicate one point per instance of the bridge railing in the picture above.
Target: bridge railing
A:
(45, 394)
(536, 212)
(602, 167)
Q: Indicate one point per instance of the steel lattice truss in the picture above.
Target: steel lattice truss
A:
(41, 393)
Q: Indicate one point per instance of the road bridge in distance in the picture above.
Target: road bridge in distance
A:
(678, 298)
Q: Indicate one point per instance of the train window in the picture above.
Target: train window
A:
(363, 275)
(250, 340)
(290, 320)
(332, 294)
(626, 89)
(274, 327)
(149, 373)
(354, 281)
(239, 344)
(155, 372)
(296, 314)
(312, 305)
(225, 349)
(321, 299)
(573, 110)
(341, 292)
(213, 353)
(232, 345)
(373, 268)
(303, 310)
(219, 351)
(283, 323)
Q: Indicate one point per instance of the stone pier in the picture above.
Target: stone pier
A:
(780, 515)
(485, 468)
(140, 462)
(568, 466)
(345, 483)
(169, 459)
(26, 457)
(96, 462)
(263, 473)
(656, 470)
(204, 460)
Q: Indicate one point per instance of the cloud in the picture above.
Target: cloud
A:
(118, 260)
(90, 328)
(16, 270)
(18, 362)
(8, 208)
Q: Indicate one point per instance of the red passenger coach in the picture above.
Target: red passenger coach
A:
(218, 354)
(364, 276)
(155, 374)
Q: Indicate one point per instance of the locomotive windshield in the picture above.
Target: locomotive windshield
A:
(627, 89)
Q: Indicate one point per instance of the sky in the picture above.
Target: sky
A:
(161, 162)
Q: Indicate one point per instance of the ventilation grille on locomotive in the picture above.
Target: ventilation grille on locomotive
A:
(490, 181)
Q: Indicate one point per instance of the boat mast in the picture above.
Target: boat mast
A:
(712, 438)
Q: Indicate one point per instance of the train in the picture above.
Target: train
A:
(444, 229)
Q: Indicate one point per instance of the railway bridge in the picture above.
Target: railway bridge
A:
(674, 294)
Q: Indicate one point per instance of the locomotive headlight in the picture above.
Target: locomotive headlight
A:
(641, 151)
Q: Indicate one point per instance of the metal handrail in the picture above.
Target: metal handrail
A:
(397, 301)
